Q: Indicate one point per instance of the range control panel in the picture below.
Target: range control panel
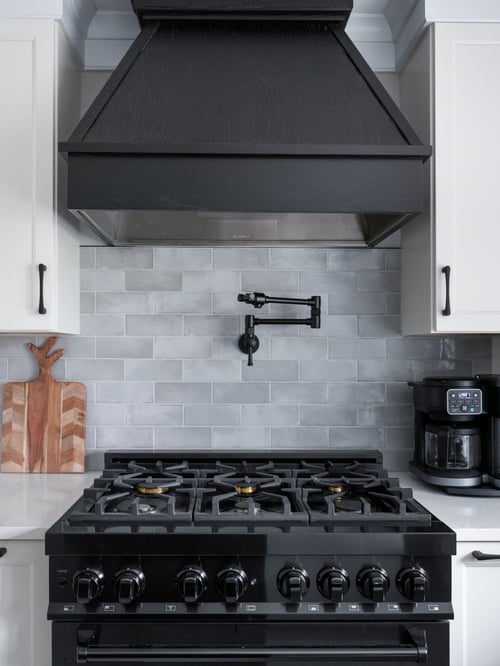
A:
(464, 401)
(271, 585)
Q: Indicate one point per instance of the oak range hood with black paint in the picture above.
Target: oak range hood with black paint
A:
(244, 122)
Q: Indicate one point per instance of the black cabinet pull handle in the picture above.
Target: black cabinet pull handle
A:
(41, 307)
(447, 310)
(478, 555)
(3, 551)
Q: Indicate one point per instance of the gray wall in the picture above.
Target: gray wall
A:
(158, 351)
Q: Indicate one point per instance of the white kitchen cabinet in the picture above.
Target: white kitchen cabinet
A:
(24, 629)
(474, 631)
(450, 94)
(40, 100)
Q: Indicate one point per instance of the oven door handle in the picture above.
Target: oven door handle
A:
(415, 653)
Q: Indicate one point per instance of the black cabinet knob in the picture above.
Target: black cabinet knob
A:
(373, 583)
(191, 583)
(129, 584)
(231, 584)
(88, 585)
(293, 583)
(413, 583)
(333, 583)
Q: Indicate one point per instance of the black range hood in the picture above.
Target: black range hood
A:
(239, 121)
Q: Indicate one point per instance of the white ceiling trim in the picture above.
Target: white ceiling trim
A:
(113, 28)
(384, 31)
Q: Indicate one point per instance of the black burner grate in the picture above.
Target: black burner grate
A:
(246, 493)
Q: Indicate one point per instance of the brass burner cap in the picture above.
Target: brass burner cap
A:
(335, 489)
(245, 490)
(153, 490)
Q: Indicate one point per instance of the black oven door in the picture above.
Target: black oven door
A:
(252, 643)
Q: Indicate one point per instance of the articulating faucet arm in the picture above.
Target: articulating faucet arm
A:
(249, 342)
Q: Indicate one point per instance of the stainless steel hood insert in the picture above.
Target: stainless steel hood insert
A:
(242, 122)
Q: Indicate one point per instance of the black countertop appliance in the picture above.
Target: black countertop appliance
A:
(457, 433)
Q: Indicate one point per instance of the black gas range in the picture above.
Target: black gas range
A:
(176, 557)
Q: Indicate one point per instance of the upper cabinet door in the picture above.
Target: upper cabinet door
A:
(450, 266)
(33, 231)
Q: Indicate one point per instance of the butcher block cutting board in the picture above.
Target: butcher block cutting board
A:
(43, 421)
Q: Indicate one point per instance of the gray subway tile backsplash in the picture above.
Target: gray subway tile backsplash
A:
(155, 369)
(253, 392)
(299, 438)
(124, 257)
(241, 258)
(179, 347)
(157, 280)
(274, 283)
(158, 351)
(182, 393)
(95, 369)
(153, 325)
(100, 325)
(298, 348)
(182, 303)
(126, 303)
(180, 259)
(124, 347)
(154, 415)
(212, 415)
(212, 325)
(104, 415)
(102, 280)
(298, 258)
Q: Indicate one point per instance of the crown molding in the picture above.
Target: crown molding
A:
(384, 31)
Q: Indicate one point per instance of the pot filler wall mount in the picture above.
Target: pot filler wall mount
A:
(234, 122)
(249, 342)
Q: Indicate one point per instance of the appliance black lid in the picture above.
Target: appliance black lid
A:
(491, 380)
(450, 382)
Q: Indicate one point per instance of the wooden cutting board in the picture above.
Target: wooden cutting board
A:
(43, 426)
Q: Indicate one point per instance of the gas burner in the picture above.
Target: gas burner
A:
(137, 506)
(147, 484)
(245, 507)
(247, 485)
(251, 501)
(341, 483)
(346, 503)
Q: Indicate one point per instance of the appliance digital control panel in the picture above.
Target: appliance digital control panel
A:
(464, 401)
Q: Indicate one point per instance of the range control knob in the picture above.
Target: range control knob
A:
(191, 583)
(88, 585)
(129, 584)
(373, 583)
(333, 583)
(293, 583)
(231, 584)
(413, 583)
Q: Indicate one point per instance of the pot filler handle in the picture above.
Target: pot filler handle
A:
(414, 652)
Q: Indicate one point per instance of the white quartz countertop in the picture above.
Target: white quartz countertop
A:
(472, 518)
(31, 503)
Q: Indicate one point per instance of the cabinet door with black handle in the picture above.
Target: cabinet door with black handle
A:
(476, 580)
